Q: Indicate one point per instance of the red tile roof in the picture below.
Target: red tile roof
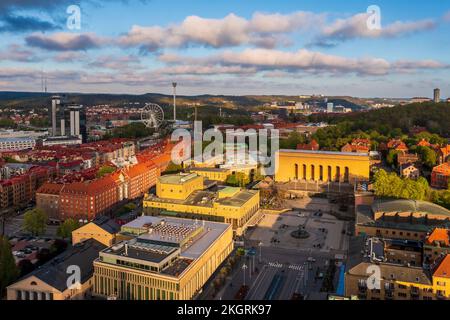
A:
(443, 270)
(50, 188)
(439, 235)
(442, 169)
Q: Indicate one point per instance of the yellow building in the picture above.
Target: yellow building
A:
(216, 174)
(102, 229)
(50, 281)
(168, 259)
(399, 282)
(183, 195)
(321, 166)
(178, 186)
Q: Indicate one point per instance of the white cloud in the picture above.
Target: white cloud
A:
(258, 60)
(261, 30)
(64, 41)
(15, 52)
(356, 27)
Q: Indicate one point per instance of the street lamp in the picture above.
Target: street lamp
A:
(244, 267)
(260, 244)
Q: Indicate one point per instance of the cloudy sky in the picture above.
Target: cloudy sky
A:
(227, 47)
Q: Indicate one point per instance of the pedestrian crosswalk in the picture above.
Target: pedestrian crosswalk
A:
(291, 267)
(296, 267)
(275, 265)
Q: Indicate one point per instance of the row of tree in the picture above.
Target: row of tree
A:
(392, 186)
(35, 223)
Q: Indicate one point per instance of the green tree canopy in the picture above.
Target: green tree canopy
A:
(238, 179)
(391, 157)
(8, 269)
(391, 185)
(105, 170)
(173, 168)
(65, 229)
(428, 156)
(35, 221)
(292, 141)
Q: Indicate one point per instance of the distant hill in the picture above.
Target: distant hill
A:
(435, 117)
(36, 99)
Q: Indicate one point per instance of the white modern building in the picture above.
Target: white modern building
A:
(18, 143)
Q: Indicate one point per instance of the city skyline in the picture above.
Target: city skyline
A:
(226, 48)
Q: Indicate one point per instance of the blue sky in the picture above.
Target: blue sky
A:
(227, 47)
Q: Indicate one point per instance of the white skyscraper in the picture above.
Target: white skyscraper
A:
(330, 107)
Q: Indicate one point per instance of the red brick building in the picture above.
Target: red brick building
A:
(444, 154)
(47, 198)
(312, 146)
(86, 200)
(20, 190)
(139, 178)
(440, 176)
(397, 145)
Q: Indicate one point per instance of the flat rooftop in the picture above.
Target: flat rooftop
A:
(209, 169)
(238, 199)
(210, 231)
(409, 206)
(204, 198)
(365, 217)
(334, 153)
(177, 178)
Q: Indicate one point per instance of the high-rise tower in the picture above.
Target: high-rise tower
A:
(174, 85)
(437, 95)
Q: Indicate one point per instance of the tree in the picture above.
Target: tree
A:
(7, 123)
(125, 209)
(391, 157)
(58, 247)
(8, 269)
(25, 267)
(65, 229)
(105, 170)
(292, 141)
(238, 179)
(391, 185)
(173, 168)
(35, 221)
(428, 156)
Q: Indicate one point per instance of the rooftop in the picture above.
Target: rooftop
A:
(365, 216)
(409, 206)
(439, 235)
(54, 272)
(443, 168)
(334, 153)
(177, 178)
(107, 224)
(394, 272)
(443, 270)
(209, 169)
(164, 238)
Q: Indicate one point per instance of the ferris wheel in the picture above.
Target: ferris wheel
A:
(152, 115)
